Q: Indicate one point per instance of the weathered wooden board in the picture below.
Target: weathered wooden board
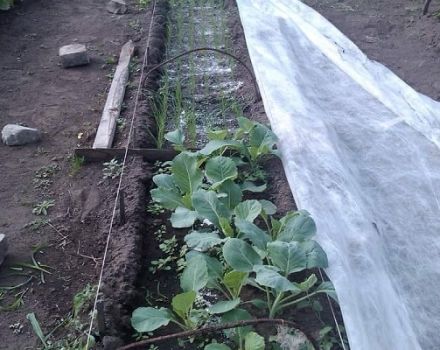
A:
(112, 109)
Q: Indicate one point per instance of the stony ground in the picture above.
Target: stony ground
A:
(65, 105)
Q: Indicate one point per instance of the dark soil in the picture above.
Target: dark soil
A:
(66, 105)
(394, 33)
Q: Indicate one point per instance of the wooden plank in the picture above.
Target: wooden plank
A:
(112, 109)
(106, 154)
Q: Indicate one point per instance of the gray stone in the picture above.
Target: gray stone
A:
(117, 7)
(3, 248)
(112, 343)
(73, 55)
(16, 135)
(370, 39)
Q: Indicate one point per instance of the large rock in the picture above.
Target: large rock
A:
(117, 7)
(73, 55)
(3, 248)
(16, 135)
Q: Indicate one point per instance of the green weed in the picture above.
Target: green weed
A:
(143, 4)
(76, 337)
(82, 299)
(47, 171)
(43, 176)
(112, 169)
(37, 224)
(6, 4)
(172, 256)
(42, 208)
(16, 303)
(135, 25)
(155, 208)
(120, 123)
(111, 60)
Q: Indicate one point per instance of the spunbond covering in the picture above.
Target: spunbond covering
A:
(360, 149)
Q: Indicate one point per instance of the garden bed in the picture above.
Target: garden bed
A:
(198, 90)
(184, 88)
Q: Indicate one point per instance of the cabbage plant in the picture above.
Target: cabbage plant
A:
(244, 243)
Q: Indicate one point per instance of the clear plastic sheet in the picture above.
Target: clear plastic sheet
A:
(361, 152)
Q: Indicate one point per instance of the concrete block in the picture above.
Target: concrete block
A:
(74, 55)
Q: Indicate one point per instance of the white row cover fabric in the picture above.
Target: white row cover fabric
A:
(361, 152)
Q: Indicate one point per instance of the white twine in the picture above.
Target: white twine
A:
(107, 244)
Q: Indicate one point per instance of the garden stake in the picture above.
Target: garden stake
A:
(100, 317)
(122, 218)
(426, 6)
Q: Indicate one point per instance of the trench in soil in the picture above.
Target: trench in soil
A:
(198, 93)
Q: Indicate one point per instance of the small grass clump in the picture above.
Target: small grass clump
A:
(160, 112)
(76, 163)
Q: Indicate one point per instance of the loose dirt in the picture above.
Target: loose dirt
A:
(66, 105)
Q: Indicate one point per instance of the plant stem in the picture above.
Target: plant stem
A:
(269, 299)
(274, 308)
(224, 292)
(289, 297)
(269, 228)
(220, 327)
(300, 299)
(181, 325)
(18, 285)
(255, 285)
